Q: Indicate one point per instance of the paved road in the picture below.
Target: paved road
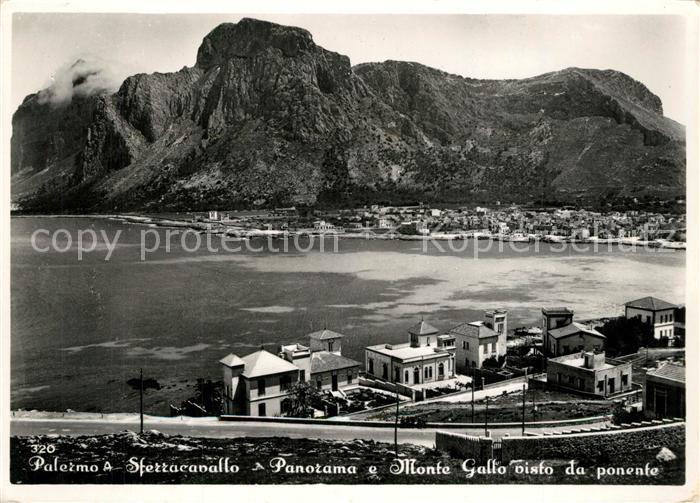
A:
(223, 429)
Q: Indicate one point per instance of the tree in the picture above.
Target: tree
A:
(302, 395)
(208, 394)
(494, 363)
(626, 335)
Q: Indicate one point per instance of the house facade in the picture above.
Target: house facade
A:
(421, 360)
(478, 341)
(664, 391)
(257, 384)
(330, 370)
(563, 336)
(656, 312)
(589, 372)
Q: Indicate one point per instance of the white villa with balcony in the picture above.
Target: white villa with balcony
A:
(427, 357)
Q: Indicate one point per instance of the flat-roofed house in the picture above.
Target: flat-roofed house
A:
(421, 360)
(656, 312)
(256, 384)
(590, 372)
(664, 391)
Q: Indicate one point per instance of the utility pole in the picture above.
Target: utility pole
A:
(523, 432)
(396, 424)
(141, 397)
(486, 419)
(473, 383)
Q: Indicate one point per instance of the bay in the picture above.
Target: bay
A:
(82, 328)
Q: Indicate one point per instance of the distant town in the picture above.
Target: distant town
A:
(507, 223)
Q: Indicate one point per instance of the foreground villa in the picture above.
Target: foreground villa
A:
(427, 357)
(257, 384)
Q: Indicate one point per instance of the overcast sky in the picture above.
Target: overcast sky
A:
(651, 49)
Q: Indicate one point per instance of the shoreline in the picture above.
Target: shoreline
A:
(367, 233)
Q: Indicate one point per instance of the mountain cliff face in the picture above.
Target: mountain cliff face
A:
(267, 117)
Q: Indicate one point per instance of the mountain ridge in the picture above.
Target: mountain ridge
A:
(266, 117)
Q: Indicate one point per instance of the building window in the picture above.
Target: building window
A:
(261, 387)
(425, 372)
(302, 375)
(385, 371)
(624, 379)
(465, 345)
(405, 376)
(285, 382)
(330, 346)
(441, 370)
(349, 376)
(601, 385)
(261, 409)
(319, 383)
(371, 365)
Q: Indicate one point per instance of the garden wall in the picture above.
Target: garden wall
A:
(593, 445)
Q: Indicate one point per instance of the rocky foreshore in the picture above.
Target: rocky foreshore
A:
(152, 457)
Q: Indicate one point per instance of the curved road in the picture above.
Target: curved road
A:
(207, 427)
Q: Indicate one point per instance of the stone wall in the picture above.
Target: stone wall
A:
(592, 445)
(464, 446)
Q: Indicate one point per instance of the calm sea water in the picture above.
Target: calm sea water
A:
(81, 329)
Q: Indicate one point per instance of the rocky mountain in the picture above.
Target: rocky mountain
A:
(266, 117)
